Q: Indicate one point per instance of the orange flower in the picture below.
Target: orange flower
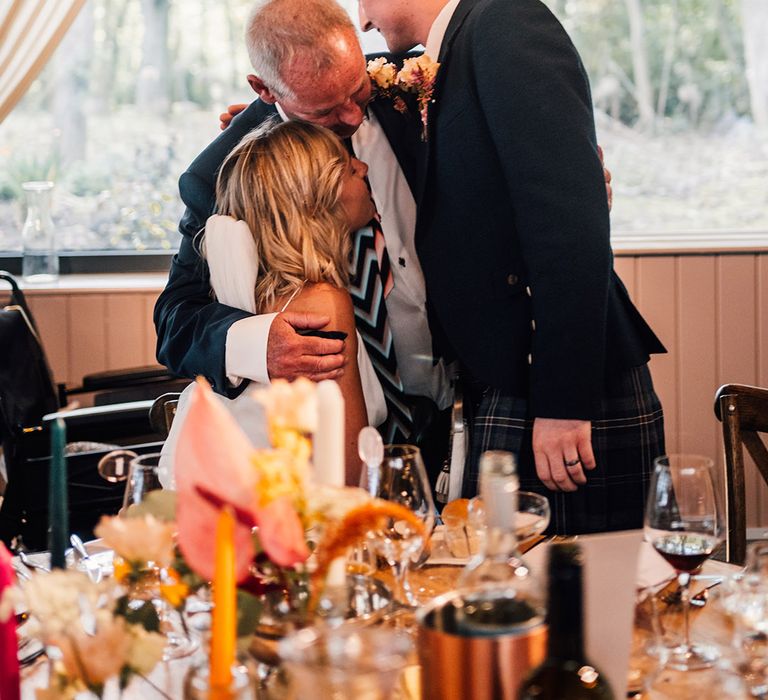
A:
(121, 569)
(175, 591)
(355, 526)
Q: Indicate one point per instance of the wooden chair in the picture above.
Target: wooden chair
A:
(743, 411)
(163, 411)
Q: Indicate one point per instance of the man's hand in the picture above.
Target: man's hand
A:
(562, 450)
(226, 117)
(290, 355)
(606, 176)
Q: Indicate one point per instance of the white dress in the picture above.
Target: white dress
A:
(232, 261)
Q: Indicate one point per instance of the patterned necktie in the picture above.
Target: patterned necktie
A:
(370, 283)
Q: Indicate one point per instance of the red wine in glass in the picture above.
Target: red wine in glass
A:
(685, 551)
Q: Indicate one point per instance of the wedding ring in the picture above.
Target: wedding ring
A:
(572, 462)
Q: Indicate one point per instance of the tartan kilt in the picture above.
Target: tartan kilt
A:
(627, 435)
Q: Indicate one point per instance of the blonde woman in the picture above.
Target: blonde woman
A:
(288, 197)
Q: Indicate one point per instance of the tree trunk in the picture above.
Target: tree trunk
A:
(640, 66)
(72, 79)
(754, 23)
(153, 83)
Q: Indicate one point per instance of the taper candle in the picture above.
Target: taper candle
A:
(328, 441)
(58, 511)
(224, 623)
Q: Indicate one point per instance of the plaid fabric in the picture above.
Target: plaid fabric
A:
(627, 436)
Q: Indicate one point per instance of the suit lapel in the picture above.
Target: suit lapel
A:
(402, 132)
(457, 20)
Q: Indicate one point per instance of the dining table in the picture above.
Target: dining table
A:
(649, 680)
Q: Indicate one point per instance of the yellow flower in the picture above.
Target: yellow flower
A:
(382, 73)
(280, 474)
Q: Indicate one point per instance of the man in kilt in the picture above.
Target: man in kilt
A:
(513, 237)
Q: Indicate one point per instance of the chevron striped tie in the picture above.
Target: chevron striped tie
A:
(370, 283)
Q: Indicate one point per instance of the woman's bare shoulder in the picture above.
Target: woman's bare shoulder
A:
(327, 299)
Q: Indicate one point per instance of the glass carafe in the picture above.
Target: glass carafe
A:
(40, 260)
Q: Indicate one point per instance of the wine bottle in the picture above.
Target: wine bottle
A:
(566, 672)
(500, 594)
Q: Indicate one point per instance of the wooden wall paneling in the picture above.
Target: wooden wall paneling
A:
(625, 269)
(51, 315)
(88, 349)
(698, 355)
(125, 330)
(761, 301)
(736, 279)
(656, 297)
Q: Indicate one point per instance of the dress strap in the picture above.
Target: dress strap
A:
(291, 298)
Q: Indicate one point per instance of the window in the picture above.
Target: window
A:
(132, 96)
(680, 89)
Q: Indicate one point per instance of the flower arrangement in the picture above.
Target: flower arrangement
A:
(417, 77)
(97, 635)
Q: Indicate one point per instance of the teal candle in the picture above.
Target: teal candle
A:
(58, 512)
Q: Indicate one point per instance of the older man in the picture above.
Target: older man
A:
(513, 238)
(308, 65)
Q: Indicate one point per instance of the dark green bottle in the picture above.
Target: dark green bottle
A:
(566, 673)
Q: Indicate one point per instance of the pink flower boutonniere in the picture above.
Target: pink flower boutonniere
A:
(417, 76)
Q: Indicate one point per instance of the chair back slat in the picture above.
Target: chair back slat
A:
(743, 411)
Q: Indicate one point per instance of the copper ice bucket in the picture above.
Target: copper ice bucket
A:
(457, 666)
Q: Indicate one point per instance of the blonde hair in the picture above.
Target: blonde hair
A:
(285, 180)
(279, 29)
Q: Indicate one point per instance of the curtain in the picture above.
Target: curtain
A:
(30, 31)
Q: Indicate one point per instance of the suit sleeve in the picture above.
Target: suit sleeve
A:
(191, 327)
(535, 98)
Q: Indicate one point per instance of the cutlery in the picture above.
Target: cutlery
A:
(81, 553)
(30, 564)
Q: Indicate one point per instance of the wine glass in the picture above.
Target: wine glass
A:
(401, 478)
(683, 523)
(143, 477)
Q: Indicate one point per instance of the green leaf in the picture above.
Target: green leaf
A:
(248, 613)
(161, 504)
(144, 615)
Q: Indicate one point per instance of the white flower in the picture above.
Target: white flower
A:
(138, 540)
(290, 405)
(146, 649)
(418, 74)
(55, 599)
(382, 72)
(94, 658)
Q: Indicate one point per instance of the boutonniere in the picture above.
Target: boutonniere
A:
(417, 76)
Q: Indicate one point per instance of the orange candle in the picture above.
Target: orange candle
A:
(223, 625)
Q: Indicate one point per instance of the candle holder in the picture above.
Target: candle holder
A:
(242, 687)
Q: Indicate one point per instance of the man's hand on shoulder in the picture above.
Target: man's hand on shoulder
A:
(606, 176)
(225, 118)
(290, 355)
(562, 450)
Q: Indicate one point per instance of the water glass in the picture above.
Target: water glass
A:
(344, 663)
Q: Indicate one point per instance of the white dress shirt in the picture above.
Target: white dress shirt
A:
(246, 346)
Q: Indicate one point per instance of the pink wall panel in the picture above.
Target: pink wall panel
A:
(51, 315)
(655, 296)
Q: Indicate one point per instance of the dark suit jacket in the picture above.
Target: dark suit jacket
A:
(513, 229)
(191, 327)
